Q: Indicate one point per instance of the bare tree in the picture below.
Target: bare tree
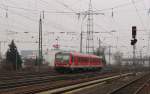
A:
(118, 58)
(101, 53)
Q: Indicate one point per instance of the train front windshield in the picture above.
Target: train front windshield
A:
(62, 58)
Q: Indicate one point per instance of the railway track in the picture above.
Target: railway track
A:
(83, 84)
(21, 75)
(144, 89)
(44, 83)
(41, 79)
(133, 86)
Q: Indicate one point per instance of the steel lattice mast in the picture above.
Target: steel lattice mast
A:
(90, 41)
(90, 28)
(40, 43)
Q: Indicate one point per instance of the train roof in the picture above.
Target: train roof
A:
(81, 54)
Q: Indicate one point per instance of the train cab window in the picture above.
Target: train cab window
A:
(59, 57)
(64, 58)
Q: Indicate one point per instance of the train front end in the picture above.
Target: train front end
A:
(62, 61)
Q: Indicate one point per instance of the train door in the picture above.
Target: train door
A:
(71, 60)
(75, 60)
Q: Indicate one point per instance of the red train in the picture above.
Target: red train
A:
(77, 61)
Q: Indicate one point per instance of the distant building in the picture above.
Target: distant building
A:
(48, 55)
(29, 54)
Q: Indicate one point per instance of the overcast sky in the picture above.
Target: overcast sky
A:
(19, 21)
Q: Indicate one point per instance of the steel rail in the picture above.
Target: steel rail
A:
(116, 91)
(37, 80)
(84, 84)
(142, 87)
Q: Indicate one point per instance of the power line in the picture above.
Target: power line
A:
(20, 15)
(119, 6)
(17, 13)
(75, 2)
(61, 3)
(65, 5)
(36, 11)
(140, 18)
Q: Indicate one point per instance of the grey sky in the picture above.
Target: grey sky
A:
(23, 16)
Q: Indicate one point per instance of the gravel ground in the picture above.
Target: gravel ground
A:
(107, 87)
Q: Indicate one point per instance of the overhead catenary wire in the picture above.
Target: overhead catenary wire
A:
(36, 11)
(119, 6)
(50, 11)
(46, 11)
(63, 4)
(140, 18)
(17, 13)
(26, 17)
(124, 6)
(66, 6)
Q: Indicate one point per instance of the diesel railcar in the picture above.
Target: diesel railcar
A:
(77, 61)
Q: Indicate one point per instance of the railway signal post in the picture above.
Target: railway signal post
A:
(133, 42)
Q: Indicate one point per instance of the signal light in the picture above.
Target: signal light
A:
(133, 31)
(133, 41)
